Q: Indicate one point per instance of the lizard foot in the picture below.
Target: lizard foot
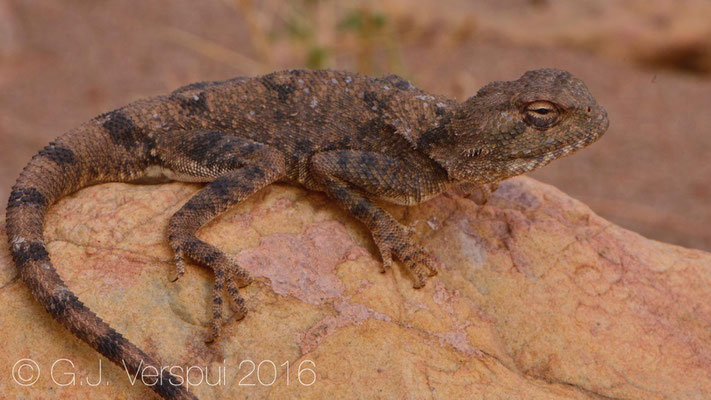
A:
(420, 263)
(230, 277)
(417, 260)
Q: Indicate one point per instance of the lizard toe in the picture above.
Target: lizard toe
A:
(238, 304)
(387, 257)
(228, 277)
(217, 317)
(420, 263)
(180, 265)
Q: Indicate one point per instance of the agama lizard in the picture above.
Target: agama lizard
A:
(357, 138)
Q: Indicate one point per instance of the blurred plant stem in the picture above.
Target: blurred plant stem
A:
(212, 50)
(256, 30)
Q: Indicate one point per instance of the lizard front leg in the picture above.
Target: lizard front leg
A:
(235, 168)
(353, 178)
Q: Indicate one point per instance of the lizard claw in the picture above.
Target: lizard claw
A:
(387, 257)
(180, 265)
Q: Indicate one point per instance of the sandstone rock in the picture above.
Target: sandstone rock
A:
(539, 299)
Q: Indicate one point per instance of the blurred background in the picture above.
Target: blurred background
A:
(647, 62)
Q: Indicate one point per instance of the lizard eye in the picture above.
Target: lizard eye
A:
(541, 114)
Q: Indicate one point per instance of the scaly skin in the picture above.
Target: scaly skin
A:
(354, 137)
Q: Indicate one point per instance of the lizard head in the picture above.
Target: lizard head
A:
(510, 128)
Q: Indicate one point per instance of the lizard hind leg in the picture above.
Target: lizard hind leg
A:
(234, 168)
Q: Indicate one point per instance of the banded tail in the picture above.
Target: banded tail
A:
(109, 148)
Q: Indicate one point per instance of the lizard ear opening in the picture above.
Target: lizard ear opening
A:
(472, 153)
(541, 114)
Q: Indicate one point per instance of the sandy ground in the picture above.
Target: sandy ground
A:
(648, 63)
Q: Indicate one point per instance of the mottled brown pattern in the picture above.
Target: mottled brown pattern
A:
(357, 138)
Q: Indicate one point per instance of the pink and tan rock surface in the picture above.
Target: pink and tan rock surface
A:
(539, 298)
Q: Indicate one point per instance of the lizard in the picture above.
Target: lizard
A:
(362, 140)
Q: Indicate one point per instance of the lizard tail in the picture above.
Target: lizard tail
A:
(96, 152)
